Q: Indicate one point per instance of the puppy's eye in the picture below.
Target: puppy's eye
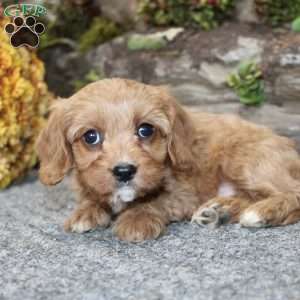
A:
(145, 130)
(92, 137)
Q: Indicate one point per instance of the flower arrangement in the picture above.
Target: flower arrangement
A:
(24, 101)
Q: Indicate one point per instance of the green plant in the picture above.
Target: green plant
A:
(206, 14)
(248, 83)
(100, 31)
(70, 23)
(296, 25)
(73, 25)
(277, 12)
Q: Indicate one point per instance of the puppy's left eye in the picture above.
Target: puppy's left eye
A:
(145, 130)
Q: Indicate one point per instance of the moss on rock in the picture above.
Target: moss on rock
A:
(145, 42)
(152, 41)
(99, 32)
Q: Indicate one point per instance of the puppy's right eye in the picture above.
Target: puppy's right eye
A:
(92, 137)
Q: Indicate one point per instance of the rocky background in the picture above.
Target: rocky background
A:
(89, 40)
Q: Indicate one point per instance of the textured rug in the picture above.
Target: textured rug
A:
(39, 261)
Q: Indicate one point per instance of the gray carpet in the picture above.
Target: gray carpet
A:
(39, 261)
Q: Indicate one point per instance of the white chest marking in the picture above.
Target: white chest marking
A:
(226, 189)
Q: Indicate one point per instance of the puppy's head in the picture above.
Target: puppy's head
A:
(120, 136)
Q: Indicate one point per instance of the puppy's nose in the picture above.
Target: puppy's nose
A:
(124, 172)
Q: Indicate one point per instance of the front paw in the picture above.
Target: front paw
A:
(87, 218)
(137, 226)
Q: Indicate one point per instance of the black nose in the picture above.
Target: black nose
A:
(124, 172)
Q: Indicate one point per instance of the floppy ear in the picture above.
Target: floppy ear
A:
(181, 137)
(53, 149)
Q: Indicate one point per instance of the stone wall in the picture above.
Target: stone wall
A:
(195, 65)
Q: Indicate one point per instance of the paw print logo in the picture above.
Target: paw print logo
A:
(24, 32)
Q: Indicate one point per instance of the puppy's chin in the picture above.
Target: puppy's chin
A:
(124, 194)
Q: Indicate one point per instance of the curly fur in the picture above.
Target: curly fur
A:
(196, 166)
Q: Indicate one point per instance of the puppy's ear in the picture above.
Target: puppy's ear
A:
(52, 147)
(181, 137)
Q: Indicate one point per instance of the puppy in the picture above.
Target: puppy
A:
(139, 158)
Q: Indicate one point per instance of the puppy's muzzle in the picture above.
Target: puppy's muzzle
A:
(124, 172)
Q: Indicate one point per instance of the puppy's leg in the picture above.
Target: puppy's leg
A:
(268, 171)
(220, 210)
(280, 209)
(145, 221)
(88, 215)
(292, 218)
(142, 222)
(280, 198)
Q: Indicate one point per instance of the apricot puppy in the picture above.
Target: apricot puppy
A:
(142, 160)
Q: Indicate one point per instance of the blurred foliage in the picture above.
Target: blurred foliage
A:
(70, 22)
(278, 12)
(206, 14)
(73, 23)
(24, 101)
(90, 77)
(248, 83)
(99, 32)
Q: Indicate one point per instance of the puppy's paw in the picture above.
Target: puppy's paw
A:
(269, 212)
(137, 226)
(211, 216)
(272, 211)
(251, 218)
(86, 219)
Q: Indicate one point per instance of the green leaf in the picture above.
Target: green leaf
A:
(296, 25)
(255, 86)
(248, 83)
(233, 80)
(244, 68)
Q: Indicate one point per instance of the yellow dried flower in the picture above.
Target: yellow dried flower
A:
(24, 100)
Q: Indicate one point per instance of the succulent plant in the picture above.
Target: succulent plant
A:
(248, 83)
